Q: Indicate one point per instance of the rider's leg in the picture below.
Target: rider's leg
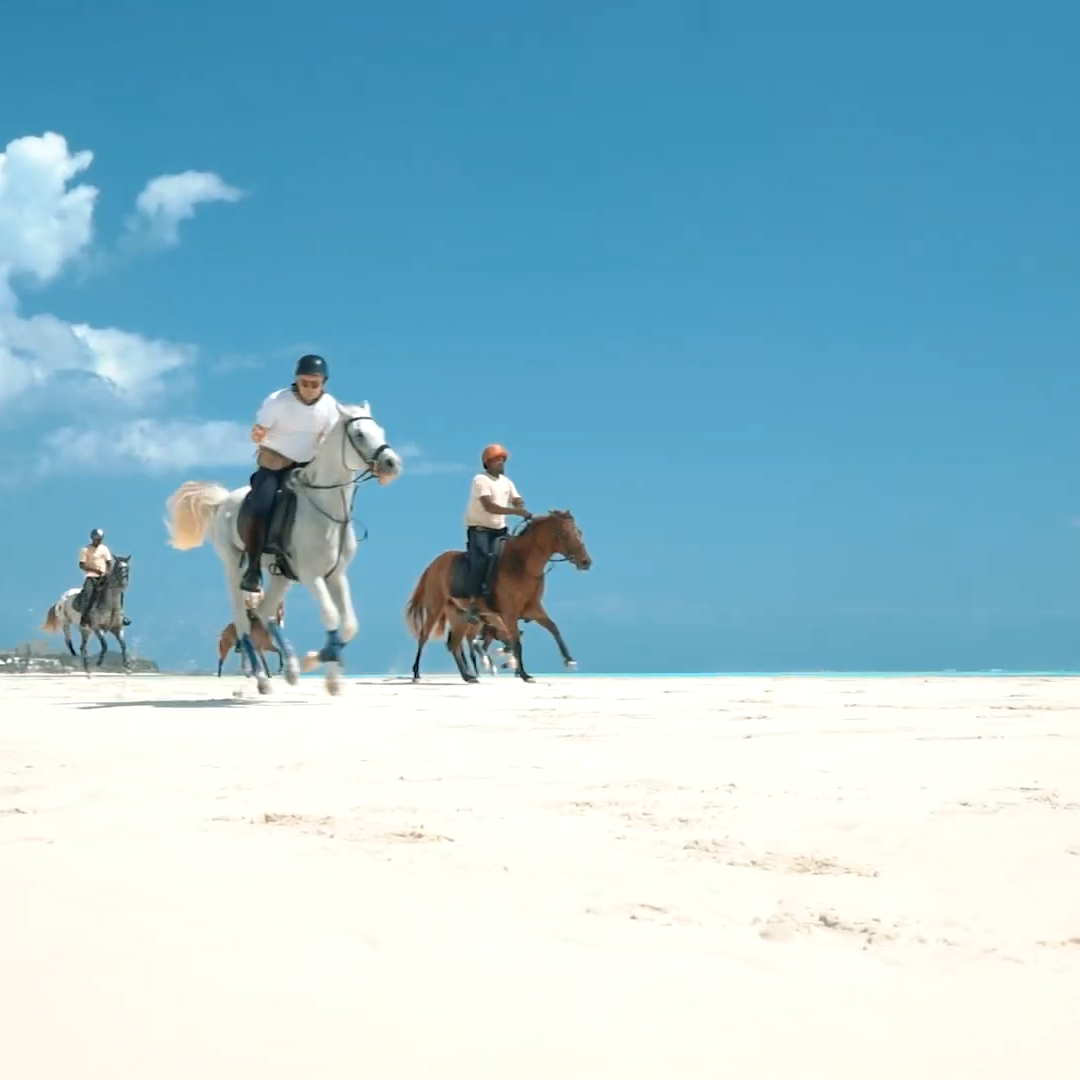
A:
(86, 599)
(263, 488)
(489, 567)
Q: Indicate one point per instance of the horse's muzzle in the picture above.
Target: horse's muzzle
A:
(387, 467)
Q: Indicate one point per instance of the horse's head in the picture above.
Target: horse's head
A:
(567, 538)
(120, 573)
(364, 444)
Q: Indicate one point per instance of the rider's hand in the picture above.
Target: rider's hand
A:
(526, 514)
(258, 433)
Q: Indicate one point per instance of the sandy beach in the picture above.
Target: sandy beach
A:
(586, 877)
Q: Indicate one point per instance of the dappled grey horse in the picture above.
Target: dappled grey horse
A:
(310, 538)
(106, 614)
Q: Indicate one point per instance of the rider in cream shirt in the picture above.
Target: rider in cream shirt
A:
(288, 429)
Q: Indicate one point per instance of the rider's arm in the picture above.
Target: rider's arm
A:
(84, 566)
(264, 419)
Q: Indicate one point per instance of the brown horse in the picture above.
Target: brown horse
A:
(516, 592)
(260, 638)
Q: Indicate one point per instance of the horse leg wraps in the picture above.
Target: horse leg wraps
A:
(331, 651)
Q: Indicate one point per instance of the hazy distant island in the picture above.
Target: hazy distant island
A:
(41, 658)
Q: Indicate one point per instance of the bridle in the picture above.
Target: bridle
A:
(369, 473)
(554, 559)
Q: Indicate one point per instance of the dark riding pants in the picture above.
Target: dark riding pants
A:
(479, 547)
(264, 485)
(87, 597)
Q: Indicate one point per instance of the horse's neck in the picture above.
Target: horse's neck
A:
(326, 474)
(534, 550)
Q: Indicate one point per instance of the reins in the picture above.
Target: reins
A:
(347, 501)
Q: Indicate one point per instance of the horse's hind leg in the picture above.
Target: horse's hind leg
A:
(67, 639)
(241, 620)
(273, 600)
(455, 643)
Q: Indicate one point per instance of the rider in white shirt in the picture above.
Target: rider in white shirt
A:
(492, 498)
(288, 429)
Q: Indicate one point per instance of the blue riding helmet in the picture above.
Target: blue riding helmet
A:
(312, 365)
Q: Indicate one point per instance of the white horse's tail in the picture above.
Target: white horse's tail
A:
(190, 509)
(53, 622)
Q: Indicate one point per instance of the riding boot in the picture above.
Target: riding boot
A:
(254, 538)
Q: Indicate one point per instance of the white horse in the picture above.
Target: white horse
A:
(322, 544)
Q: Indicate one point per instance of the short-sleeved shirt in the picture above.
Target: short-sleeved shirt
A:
(500, 489)
(293, 428)
(97, 558)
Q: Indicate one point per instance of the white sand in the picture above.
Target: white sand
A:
(676, 878)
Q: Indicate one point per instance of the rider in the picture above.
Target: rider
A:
(288, 429)
(95, 561)
(492, 498)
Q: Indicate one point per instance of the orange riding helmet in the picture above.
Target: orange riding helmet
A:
(493, 451)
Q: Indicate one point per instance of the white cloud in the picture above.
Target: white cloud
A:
(46, 226)
(168, 200)
(417, 463)
(43, 223)
(154, 446)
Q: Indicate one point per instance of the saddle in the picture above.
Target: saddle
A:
(461, 585)
(279, 526)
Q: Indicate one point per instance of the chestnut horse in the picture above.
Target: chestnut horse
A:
(516, 592)
(260, 638)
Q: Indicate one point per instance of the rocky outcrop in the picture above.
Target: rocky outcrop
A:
(41, 658)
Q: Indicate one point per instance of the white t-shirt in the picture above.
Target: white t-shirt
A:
(293, 428)
(500, 489)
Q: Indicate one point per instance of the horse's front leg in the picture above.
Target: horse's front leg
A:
(119, 635)
(335, 608)
(536, 613)
(84, 634)
(67, 639)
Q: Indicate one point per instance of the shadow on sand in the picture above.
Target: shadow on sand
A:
(174, 703)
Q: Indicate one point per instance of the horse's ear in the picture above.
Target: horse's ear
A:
(342, 411)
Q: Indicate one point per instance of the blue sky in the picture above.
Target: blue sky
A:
(782, 300)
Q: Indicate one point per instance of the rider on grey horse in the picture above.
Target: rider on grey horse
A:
(95, 561)
(288, 429)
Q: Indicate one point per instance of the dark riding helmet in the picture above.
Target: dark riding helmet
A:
(312, 365)
(96, 534)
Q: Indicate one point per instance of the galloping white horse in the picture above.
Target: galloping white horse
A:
(321, 547)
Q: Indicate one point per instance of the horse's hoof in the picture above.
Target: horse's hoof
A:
(263, 684)
(416, 678)
(333, 679)
(527, 678)
(310, 662)
(571, 665)
(292, 671)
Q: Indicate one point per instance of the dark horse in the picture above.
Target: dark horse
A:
(106, 614)
(516, 592)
